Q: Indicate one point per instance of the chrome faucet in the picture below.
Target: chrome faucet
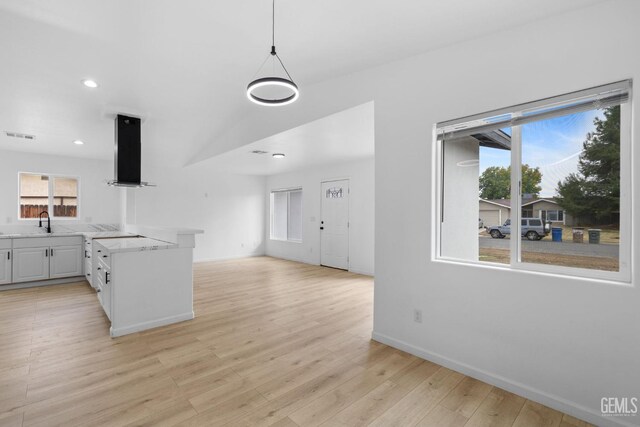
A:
(48, 221)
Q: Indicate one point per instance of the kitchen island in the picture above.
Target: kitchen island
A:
(142, 275)
(145, 282)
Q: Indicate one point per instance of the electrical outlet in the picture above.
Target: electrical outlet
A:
(417, 315)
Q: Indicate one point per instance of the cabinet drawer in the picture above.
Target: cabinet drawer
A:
(103, 272)
(37, 242)
(5, 243)
(105, 258)
(104, 265)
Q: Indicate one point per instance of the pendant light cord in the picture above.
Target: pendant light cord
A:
(273, 46)
(273, 37)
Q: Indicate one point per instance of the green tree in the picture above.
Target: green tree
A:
(595, 189)
(495, 182)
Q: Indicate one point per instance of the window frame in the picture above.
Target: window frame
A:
(558, 212)
(272, 215)
(51, 197)
(626, 267)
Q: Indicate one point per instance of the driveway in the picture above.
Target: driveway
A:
(547, 246)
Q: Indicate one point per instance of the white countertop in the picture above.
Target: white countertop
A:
(135, 244)
(89, 234)
(151, 228)
(105, 234)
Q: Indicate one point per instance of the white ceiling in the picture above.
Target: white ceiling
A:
(340, 137)
(184, 65)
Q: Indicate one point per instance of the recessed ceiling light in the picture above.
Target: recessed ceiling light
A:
(78, 142)
(278, 155)
(90, 83)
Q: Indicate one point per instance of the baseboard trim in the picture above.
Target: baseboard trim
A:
(229, 258)
(63, 281)
(143, 326)
(523, 390)
(359, 271)
(288, 258)
(355, 270)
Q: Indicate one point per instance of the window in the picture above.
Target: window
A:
(286, 215)
(564, 161)
(553, 216)
(56, 195)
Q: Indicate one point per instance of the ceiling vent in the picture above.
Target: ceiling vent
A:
(20, 135)
(259, 152)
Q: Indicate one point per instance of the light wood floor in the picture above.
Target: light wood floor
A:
(274, 343)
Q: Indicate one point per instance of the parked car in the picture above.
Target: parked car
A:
(480, 223)
(531, 228)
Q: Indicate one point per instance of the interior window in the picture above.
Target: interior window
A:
(56, 195)
(286, 215)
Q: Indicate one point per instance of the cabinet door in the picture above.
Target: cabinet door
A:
(30, 264)
(66, 261)
(5, 266)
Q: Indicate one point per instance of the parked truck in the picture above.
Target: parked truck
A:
(531, 228)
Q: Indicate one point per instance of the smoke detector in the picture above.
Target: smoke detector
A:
(20, 135)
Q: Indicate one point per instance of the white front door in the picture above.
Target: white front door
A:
(334, 224)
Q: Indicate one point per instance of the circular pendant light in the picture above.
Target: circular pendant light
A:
(273, 81)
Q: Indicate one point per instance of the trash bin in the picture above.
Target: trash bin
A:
(556, 234)
(578, 235)
(594, 235)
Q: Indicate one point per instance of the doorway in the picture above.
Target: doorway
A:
(334, 224)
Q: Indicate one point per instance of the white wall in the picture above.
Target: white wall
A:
(564, 342)
(229, 208)
(99, 203)
(361, 213)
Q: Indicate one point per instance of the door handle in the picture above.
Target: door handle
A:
(106, 277)
(46, 253)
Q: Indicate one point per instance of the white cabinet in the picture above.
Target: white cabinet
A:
(88, 266)
(102, 283)
(5, 266)
(66, 261)
(43, 258)
(30, 264)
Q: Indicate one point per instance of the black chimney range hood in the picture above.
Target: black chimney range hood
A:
(128, 153)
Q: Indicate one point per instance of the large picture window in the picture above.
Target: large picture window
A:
(56, 195)
(286, 215)
(555, 173)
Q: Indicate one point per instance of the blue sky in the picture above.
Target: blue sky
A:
(554, 145)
